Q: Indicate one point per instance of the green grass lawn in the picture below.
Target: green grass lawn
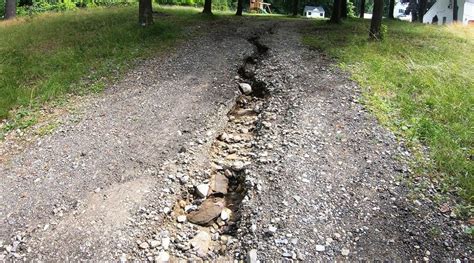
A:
(51, 54)
(419, 82)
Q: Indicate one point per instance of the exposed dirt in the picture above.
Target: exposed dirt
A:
(310, 174)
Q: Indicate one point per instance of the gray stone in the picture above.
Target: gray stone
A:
(238, 166)
(320, 248)
(202, 190)
(144, 245)
(181, 219)
(245, 88)
(154, 243)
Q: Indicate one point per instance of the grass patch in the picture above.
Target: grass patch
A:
(419, 82)
(45, 56)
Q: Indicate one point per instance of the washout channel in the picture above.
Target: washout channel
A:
(213, 207)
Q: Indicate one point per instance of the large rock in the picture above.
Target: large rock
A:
(209, 210)
(201, 243)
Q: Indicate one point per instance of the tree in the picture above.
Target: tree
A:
(455, 10)
(376, 21)
(10, 9)
(207, 7)
(343, 8)
(422, 10)
(239, 7)
(362, 8)
(145, 12)
(413, 9)
(295, 7)
(336, 12)
(391, 6)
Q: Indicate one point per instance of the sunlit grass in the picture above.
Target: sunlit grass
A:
(419, 82)
(50, 54)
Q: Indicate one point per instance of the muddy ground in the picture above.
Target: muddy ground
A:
(301, 169)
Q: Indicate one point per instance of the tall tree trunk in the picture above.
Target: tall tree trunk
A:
(343, 8)
(295, 7)
(422, 10)
(207, 7)
(455, 10)
(145, 13)
(240, 6)
(10, 9)
(391, 6)
(336, 12)
(376, 22)
(362, 8)
(413, 9)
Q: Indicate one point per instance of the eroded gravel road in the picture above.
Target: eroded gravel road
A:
(311, 175)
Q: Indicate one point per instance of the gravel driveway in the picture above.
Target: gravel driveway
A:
(321, 180)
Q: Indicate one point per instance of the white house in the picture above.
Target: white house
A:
(468, 13)
(313, 11)
(399, 11)
(442, 12)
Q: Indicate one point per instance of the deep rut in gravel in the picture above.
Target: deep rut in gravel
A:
(215, 204)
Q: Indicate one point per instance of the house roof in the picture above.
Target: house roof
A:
(314, 8)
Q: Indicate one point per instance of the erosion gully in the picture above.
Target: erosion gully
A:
(215, 206)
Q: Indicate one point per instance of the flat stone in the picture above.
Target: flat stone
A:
(219, 183)
(181, 219)
(154, 243)
(201, 243)
(345, 252)
(210, 209)
(320, 248)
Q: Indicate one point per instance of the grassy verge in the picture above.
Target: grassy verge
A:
(48, 55)
(420, 83)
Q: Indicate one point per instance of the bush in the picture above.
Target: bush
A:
(2, 8)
